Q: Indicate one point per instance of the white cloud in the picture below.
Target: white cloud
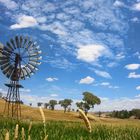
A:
(71, 32)
(118, 3)
(24, 21)
(138, 88)
(10, 4)
(60, 62)
(23, 90)
(120, 56)
(91, 53)
(105, 84)
(41, 19)
(103, 74)
(136, 6)
(51, 79)
(108, 85)
(132, 66)
(56, 28)
(118, 104)
(112, 64)
(137, 54)
(113, 87)
(87, 80)
(135, 19)
(137, 96)
(3, 91)
(133, 75)
(53, 95)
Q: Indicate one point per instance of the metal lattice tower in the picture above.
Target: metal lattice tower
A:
(19, 59)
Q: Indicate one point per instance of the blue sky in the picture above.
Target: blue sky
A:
(86, 46)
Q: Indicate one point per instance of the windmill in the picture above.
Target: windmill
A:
(19, 59)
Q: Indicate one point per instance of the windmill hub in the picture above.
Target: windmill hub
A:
(19, 59)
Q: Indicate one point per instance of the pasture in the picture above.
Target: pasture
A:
(67, 126)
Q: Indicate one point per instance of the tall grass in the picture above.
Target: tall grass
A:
(60, 130)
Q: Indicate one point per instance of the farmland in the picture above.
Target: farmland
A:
(68, 126)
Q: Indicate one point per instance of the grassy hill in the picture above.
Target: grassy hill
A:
(33, 113)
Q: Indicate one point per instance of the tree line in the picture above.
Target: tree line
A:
(89, 101)
(123, 114)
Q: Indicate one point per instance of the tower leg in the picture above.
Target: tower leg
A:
(12, 102)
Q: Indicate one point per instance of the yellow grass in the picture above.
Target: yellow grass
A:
(33, 114)
(85, 118)
(16, 132)
(7, 136)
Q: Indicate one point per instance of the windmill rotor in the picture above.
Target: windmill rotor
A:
(19, 59)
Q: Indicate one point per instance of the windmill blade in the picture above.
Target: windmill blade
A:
(13, 43)
(3, 57)
(21, 40)
(3, 62)
(17, 42)
(35, 59)
(34, 63)
(29, 44)
(10, 46)
(31, 68)
(8, 50)
(5, 68)
(10, 72)
(33, 48)
(10, 53)
(25, 72)
(6, 53)
(25, 42)
(31, 55)
(22, 75)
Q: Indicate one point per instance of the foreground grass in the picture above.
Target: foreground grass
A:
(61, 130)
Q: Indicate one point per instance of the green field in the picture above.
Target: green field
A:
(63, 130)
(68, 126)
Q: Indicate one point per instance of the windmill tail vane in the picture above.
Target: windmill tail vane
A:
(19, 59)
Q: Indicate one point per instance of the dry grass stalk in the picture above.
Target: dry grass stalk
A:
(29, 137)
(84, 117)
(23, 133)
(46, 137)
(44, 122)
(30, 126)
(7, 136)
(16, 131)
(42, 114)
(29, 130)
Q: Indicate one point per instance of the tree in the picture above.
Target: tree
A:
(21, 102)
(90, 100)
(65, 103)
(46, 105)
(80, 105)
(136, 112)
(39, 104)
(52, 104)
